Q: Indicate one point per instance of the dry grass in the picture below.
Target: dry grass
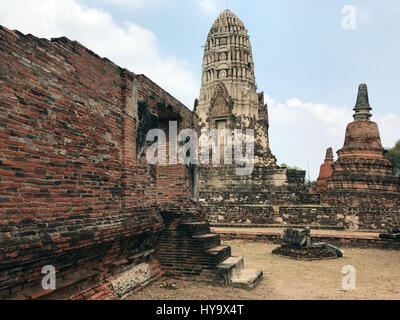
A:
(378, 277)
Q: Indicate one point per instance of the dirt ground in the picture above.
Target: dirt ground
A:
(377, 277)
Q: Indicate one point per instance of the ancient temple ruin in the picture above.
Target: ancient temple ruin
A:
(229, 100)
(361, 176)
(325, 171)
(77, 192)
(358, 191)
(228, 96)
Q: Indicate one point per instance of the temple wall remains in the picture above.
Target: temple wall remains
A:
(314, 216)
(76, 191)
(352, 218)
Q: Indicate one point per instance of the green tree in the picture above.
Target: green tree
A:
(393, 155)
(284, 165)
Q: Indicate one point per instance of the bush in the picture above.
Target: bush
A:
(393, 155)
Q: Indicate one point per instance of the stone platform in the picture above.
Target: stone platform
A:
(304, 253)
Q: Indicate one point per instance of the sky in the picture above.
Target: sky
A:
(306, 62)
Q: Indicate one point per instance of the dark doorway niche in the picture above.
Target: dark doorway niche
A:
(147, 122)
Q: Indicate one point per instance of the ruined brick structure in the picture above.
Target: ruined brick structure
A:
(77, 193)
(358, 191)
(351, 218)
(229, 100)
(361, 176)
(325, 171)
(76, 190)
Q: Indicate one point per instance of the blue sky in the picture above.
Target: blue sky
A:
(307, 64)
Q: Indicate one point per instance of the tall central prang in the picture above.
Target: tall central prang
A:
(229, 100)
(228, 97)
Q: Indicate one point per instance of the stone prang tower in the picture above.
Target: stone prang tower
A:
(229, 100)
(228, 97)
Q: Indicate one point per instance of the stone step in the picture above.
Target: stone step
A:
(207, 241)
(188, 250)
(194, 245)
(229, 268)
(194, 228)
(219, 254)
(247, 279)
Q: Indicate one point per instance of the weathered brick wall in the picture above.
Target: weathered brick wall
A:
(219, 185)
(70, 177)
(363, 198)
(173, 184)
(230, 198)
(356, 218)
(309, 215)
(239, 214)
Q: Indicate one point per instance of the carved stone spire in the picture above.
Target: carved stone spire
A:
(228, 59)
(362, 107)
(228, 95)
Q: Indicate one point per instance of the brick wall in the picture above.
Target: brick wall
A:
(73, 190)
(220, 185)
(230, 198)
(356, 218)
(239, 214)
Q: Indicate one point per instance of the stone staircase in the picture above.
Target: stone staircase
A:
(235, 275)
(187, 250)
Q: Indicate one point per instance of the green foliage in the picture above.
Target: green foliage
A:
(393, 155)
(312, 184)
(284, 165)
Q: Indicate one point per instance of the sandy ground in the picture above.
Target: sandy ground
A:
(377, 277)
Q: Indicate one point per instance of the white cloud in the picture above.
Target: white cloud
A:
(134, 4)
(130, 46)
(300, 132)
(210, 7)
(294, 111)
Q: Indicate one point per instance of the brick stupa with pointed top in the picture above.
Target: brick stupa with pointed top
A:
(326, 171)
(361, 176)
